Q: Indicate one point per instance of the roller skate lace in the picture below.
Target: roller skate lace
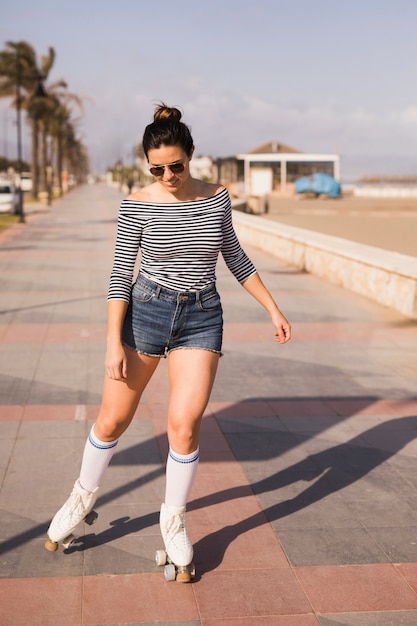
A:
(72, 513)
(174, 532)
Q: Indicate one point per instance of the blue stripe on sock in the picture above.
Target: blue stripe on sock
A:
(102, 445)
(177, 459)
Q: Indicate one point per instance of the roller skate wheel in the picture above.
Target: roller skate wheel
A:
(160, 557)
(185, 573)
(170, 573)
(51, 546)
(68, 541)
(91, 517)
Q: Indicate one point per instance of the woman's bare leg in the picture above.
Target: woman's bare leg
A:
(119, 403)
(121, 398)
(191, 376)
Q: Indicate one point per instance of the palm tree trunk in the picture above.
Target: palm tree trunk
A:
(42, 159)
(34, 159)
(58, 164)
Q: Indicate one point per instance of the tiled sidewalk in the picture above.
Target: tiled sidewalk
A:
(304, 509)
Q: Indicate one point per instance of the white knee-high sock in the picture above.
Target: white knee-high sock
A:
(180, 473)
(96, 457)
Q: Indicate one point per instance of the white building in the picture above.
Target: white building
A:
(275, 167)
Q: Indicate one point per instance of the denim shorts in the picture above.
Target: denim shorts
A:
(159, 320)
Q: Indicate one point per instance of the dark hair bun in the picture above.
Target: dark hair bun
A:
(165, 113)
(167, 130)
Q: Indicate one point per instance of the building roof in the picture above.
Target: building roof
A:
(273, 147)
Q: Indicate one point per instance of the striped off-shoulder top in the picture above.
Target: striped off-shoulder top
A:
(179, 243)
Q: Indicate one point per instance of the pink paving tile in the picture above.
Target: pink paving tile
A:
(250, 593)
(210, 425)
(213, 457)
(396, 408)
(220, 464)
(367, 406)
(11, 413)
(356, 588)
(257, 548)
(210, 432)
(317, 331)
(22, 333)
(409, 571)
(350, 406)
(135, 599)
(60, 412)
(343, 407)
(270, 620)
(248, 333)
(216, 476)
(46, 601)
(244, 511)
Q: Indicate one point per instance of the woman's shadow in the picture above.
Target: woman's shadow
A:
(331, 470)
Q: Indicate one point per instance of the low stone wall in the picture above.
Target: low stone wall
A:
(385, 191)
(387, 277)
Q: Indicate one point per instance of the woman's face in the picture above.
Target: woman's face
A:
(159, 161)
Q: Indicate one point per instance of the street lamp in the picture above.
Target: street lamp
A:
(20, 208)
(49, 170)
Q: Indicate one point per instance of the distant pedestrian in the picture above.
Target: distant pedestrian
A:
(173, 310)
(130, 185)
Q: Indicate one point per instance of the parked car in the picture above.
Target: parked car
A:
(319, 183)
(9, 198)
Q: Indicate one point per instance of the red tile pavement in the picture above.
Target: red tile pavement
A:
(251, 592)
(357, 588)
(48, 412)
(135, 599)
(409, 571)
(41, 601)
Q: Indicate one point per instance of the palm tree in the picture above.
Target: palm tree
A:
(75, 157)
(57, 122)
(20, 78)
(56, 127)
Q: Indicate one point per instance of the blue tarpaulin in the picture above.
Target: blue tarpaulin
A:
(318, 183)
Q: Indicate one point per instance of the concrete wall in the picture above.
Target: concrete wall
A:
(387, 277)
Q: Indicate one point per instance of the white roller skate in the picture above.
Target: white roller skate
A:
(178, 554)
(67, 523)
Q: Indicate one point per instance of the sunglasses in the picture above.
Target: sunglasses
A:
(158, 170)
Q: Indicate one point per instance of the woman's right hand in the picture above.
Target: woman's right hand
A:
(115, 362)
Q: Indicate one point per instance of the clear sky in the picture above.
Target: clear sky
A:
(318, 75)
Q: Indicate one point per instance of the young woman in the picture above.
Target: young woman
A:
(180, 224)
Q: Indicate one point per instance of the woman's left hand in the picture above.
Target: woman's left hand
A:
(257, 289)
(282, 327)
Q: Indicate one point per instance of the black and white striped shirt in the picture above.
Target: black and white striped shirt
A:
(179, 243)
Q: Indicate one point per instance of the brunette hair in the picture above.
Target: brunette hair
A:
(167, 130)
